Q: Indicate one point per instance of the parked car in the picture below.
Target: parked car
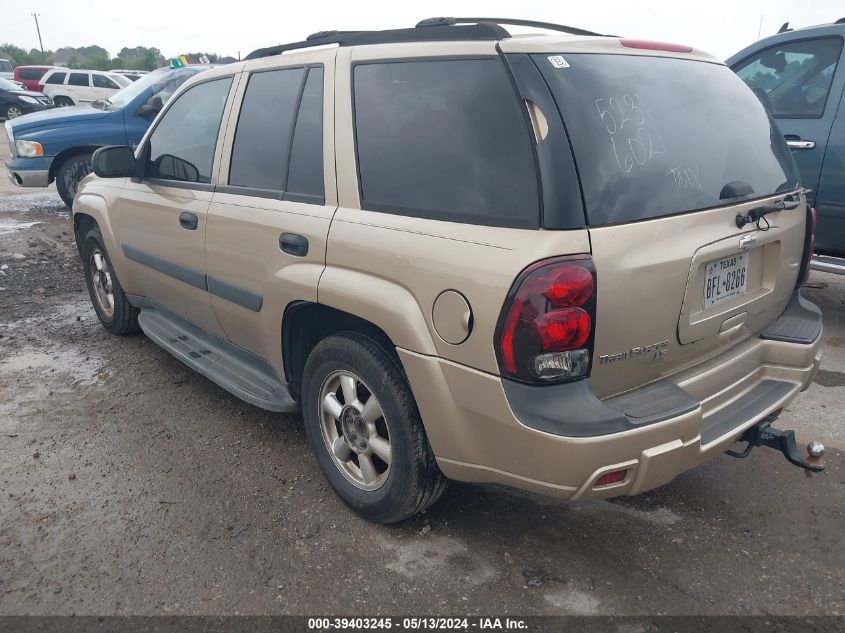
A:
(799, 75)
(72, 87)
(403, 241)
(30, 76)
(132, 75)
(6, 69)
(15, 102)
(57, 145)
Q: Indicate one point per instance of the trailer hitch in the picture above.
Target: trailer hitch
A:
(764, 434)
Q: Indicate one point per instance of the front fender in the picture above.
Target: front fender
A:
(93, 200)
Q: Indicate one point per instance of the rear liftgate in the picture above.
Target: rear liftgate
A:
(764, 434)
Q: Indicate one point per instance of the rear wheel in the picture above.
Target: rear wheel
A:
(113, 309)
(13, 111)
(70, 174)
(62, 102)
(364, 428)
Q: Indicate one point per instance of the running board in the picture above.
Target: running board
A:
(243, 374)
(828, 264)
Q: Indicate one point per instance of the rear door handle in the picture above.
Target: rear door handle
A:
(796, 142)
(188, 221)
(294, 244)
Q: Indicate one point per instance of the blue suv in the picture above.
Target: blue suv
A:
(56, 145)
(799, 76)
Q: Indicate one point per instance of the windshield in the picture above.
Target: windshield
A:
(655, 136)
(5, 84)
(163, 83)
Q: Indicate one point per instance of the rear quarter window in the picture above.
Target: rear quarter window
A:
(657, 136)
(444, 139)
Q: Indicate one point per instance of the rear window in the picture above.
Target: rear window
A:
(656, 136)
(32, 73)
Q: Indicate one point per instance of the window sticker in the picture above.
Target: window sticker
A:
(558, 61)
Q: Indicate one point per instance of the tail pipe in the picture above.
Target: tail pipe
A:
(764, 434)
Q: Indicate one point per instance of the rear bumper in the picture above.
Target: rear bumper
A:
(480, 432)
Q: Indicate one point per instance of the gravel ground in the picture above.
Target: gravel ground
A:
(131, 485)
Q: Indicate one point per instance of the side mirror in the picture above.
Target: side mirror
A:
(114, 161)
(150, 107)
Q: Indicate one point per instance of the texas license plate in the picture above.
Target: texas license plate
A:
(725, 278)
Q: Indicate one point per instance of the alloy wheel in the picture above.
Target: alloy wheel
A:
(101, 282)
(354, 430)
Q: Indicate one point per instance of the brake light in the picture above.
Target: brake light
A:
(545, 332)
(809, 247)
(655, 46)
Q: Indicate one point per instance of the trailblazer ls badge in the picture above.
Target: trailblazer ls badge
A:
(657, 350)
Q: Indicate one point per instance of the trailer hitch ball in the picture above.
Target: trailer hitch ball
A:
(815, 449)
(764, 434)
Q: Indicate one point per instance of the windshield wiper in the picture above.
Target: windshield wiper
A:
(758, 213)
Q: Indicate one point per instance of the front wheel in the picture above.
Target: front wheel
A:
(13, 111)
(113, 309)
(70, 174)
(364, 428)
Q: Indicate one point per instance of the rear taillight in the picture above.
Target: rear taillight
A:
(545, 332)
(809, 247)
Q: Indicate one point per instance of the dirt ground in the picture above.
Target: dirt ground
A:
(131, 485)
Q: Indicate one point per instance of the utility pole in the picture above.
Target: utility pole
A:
(38, 28)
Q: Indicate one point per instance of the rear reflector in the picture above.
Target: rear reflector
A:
(613, 477)
(656, 46)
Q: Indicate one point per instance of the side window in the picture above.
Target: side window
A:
(182, 145)
(444, 139)
(78, 79)
(5, 66)
(56, 78)
(305, 174)
(262, 139)
(101, 81)
(793, 79)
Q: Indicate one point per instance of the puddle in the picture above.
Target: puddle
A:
(10, 226)
(71, 367)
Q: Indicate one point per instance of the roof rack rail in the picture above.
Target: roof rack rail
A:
(507, 21)
(434, 33)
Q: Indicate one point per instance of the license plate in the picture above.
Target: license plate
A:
(725, 278)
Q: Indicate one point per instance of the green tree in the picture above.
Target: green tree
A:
(19, 57)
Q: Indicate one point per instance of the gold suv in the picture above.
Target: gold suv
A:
(568, 263)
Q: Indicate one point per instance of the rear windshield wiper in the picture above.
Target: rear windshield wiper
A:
(758, 213)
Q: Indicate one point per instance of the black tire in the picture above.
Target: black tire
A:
(63, 102)
(69, 175)
(413, 481)
(124, 317)
(13, 111)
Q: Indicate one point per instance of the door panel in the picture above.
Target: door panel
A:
(251, 278)
(161, 219)
(830, 199)
(168, 259)
(801, 81)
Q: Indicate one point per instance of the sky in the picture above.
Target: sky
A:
(718, 26)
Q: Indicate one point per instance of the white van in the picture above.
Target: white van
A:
(71, 87)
